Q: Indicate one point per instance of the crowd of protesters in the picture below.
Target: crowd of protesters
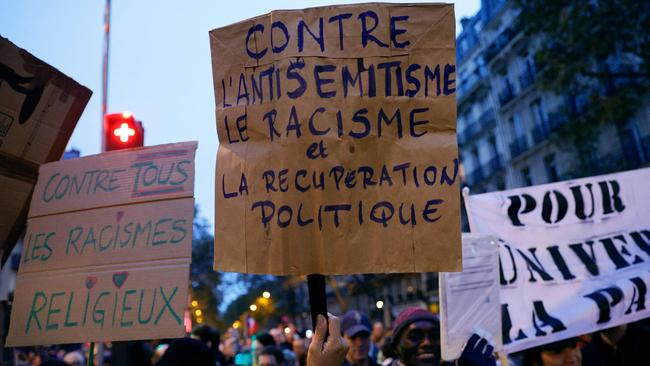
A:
(352, 340)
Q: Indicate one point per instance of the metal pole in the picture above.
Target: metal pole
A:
(107, 29)
(91, 354)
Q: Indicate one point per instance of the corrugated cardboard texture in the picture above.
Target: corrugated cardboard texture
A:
(107, 264)
(39, 108)
(14, 193)
(337, 130)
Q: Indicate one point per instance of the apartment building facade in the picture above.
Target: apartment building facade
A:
(508, 127)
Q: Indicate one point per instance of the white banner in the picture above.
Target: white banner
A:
(469, 300)
(574, 255)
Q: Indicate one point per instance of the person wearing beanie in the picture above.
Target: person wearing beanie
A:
(355, 327)
(416, 338)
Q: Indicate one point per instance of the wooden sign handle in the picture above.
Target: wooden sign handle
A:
(317, 297)
(91, 354)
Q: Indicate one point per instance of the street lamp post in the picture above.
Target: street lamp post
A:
(107, 28)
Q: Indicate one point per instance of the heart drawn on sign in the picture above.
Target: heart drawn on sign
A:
(120, 214)
(119, 278)
(90, 282)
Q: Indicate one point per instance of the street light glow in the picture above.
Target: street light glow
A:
(287, 330)
(379, 304)
(410, 289)
(199, 320)
(198, 312)
(195, 303)
(236, 324)
(253, 307)
(266, 294)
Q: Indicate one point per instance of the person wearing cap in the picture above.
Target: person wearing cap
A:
(416, 338)
(355, 327)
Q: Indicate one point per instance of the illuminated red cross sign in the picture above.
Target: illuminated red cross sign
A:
(124, 132)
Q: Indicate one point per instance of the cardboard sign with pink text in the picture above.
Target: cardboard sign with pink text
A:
(108, 246)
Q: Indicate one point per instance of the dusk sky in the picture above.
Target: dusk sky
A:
(160, 67)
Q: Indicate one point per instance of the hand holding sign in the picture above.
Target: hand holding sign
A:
(477, 352)
(327, 347)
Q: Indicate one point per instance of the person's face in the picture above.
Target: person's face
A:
(569, 356)
(230, 348)
(267, 360)
(257, 347)
(298, 346)
(377, 331)
(359, 347)
(420, 344)
(278, 336)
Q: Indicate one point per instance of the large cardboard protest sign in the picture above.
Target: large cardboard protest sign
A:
(469, 300)
(108, 246)
(574, 255)
(39, 108)
(337, 130)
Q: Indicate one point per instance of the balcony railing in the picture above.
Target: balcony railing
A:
(472, 129)
(636, 154)
(555, 121)
(462, 138)
(629, 157)
(518, 146)
(491, 51)
(526, 79)
(540, 134)
(467, 85)
(506, 95)
(499, 43)
(487, 119)
(476, 176)
(494, 165)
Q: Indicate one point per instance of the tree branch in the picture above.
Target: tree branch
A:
(615, 75)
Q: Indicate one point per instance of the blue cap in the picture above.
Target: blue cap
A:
(354, 322)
